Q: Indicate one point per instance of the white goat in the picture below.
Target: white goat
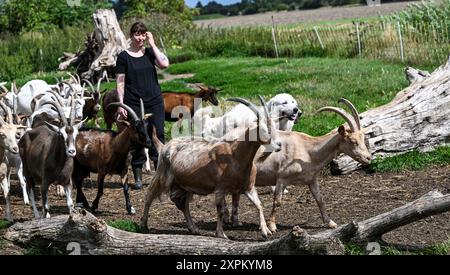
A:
(283, 108)
(8, 142)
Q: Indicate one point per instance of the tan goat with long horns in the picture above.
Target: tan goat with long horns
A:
(302, 157)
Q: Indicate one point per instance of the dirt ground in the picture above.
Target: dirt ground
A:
(302, 16)
(351, 197)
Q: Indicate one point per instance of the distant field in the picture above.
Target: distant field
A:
(302, 16)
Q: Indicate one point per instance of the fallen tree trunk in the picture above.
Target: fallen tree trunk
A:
(95, 237)
(101, 48)
(418, 118)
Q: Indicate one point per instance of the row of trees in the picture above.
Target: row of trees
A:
(30, 15)
(259, 6)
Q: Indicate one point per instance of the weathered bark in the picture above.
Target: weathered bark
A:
(101, 47)
(418, 118)
(95, 237)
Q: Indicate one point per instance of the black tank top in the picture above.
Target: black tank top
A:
(141, 80)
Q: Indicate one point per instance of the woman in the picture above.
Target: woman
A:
(137, 79)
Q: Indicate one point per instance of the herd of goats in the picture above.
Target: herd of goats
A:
(43, 138)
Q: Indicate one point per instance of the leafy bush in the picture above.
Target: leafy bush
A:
(32, 15)
(282, 7)
(31, 52)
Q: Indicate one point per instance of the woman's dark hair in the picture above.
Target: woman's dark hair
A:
(138, 27)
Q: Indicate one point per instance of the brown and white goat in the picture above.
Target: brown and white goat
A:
(190, 166)
(302, 157)
(105, 152)
(92, 103)
(47, 154)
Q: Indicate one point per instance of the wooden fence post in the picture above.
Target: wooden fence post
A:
(318, 37)
(401, 41)
(359, 39)
(274, 38)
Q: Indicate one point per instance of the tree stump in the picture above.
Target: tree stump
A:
(418, 118)
(95, 237)
(101, 48)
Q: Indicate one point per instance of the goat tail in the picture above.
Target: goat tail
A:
(158, 144)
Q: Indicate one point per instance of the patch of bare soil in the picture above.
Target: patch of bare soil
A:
(350, 197)
(302, 16)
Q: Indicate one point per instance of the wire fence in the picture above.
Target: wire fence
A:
(388, 41)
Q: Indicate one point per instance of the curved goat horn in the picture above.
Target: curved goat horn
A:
(72, 90)
(250, 105)
(72, 111)
(2, 122)
(354, 111)
(266, 112)
(341, 112)
(59, 109)
(98, 84)
(90, 84)
(78, 78)
(73, 77)
(129, 110)
(9, 117)
(57, 96)
(4, 88)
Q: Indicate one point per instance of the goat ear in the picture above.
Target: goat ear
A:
(127, 123)
(342, 131)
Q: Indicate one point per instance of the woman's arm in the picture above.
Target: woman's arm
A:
(161, 59)
(120, 80)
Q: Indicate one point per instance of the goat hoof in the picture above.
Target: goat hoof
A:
(94, 210)
(132, 211)
(332, 224)
(194, 231)
(145, 229)
(272, 227)
(221, 235)
(266, 232)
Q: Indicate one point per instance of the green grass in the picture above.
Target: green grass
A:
(331, 23)
(36, 249)
(412, 160)
(4, 224)
(125, 225)
(436, 249)
(314, 82)
(208, 16)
